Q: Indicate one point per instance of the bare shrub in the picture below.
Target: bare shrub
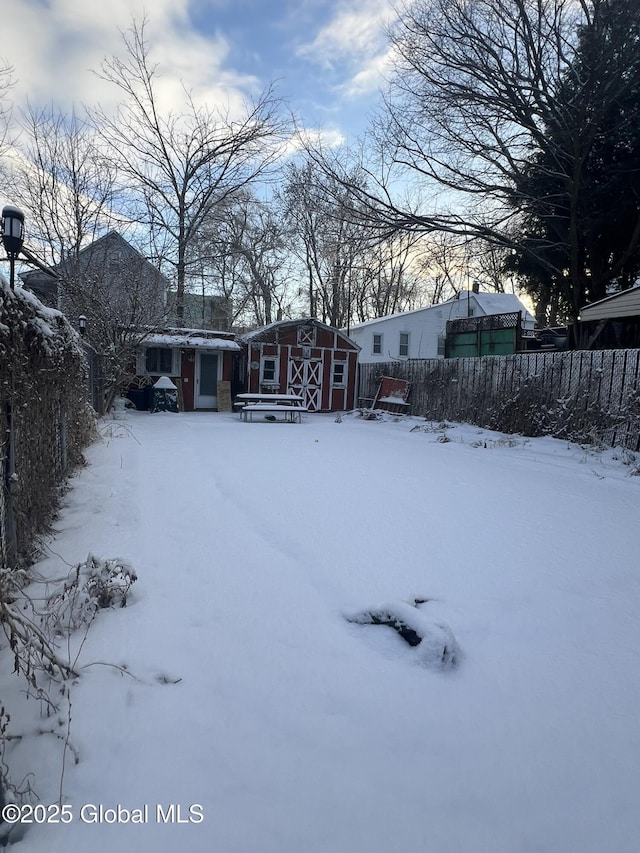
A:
(94, 585)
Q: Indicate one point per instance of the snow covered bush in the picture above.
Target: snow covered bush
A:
(94, 585)
(37, 629)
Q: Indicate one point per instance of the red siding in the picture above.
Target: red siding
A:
(188, 377)
(282, 342)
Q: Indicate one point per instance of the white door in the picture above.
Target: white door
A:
(207, 369)
(305, 378)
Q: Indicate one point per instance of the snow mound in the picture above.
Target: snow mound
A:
(433, 643)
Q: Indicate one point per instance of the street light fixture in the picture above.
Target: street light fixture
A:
(12, 234)
(82, 324)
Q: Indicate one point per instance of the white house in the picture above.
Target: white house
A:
(421, 333)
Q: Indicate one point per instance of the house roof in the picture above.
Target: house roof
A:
(112, 237)
(623, 304)
(501, 303)
(490, 303)
(191, 339)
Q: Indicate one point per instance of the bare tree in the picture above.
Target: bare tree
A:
(350, 272)
(70, 192)
(64, 182)
(122, 296)
(390, 279)
(6, 84)
(253, 239)
(481, 90)
(329, 243)
(180, 166)
(450, 264)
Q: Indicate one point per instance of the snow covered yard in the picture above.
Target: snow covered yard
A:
(296, 731)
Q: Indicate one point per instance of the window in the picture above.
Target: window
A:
(269, 371)
(307, 335)
(441, 345)
(377, 345)
(159, 360)
(404, 344)
(339, 373)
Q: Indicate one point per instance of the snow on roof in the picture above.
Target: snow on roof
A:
(491, 303)
(248, 336)
(182, 338)
(198, 330)
(500, 303)
(366, 323)
(281, 324)
(625, 298)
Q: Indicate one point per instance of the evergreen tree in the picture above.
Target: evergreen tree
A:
(580, 195)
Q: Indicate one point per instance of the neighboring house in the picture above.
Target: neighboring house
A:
(421, 333)
(194, 359)
(303, 357)
(201, 311)
(119, 293)
(107, 276)
(612, 322)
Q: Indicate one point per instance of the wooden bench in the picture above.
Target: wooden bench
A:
(293, 414)
(391, 396)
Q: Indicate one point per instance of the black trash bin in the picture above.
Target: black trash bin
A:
(141, 398)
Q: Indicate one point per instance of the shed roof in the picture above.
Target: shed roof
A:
(264, 331)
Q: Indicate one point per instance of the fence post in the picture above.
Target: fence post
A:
(62, 433)
(10, 538)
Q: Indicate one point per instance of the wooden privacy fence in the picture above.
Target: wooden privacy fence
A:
(492, 334)
(585, 396)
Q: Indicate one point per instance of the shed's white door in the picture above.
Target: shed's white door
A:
(305, 378)
(207, 368)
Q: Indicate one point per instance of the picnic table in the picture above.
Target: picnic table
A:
(289, 405)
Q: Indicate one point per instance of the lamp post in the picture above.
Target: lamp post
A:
(12, 234)
(12, 227)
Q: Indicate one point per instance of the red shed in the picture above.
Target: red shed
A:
(303, 357)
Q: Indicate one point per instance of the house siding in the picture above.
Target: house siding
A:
(426, 325)
(625, 304)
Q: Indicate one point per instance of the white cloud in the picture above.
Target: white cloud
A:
(355, 41)
(370, 75)
(54, 46)
(315, 137)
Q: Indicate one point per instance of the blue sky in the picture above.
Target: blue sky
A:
(325, 56)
